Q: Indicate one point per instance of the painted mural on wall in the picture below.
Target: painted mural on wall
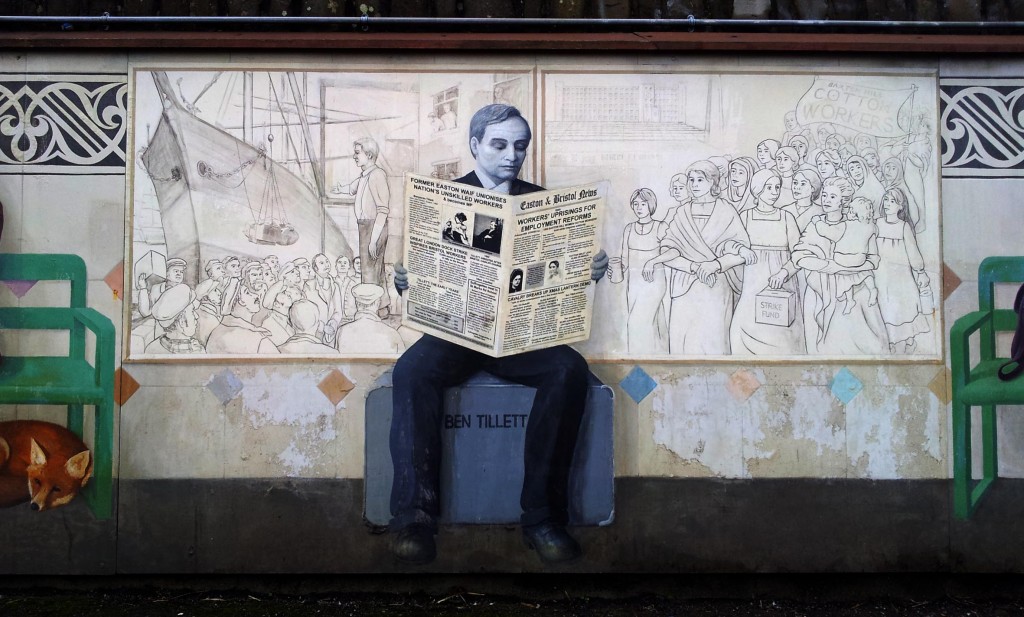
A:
(777, 216)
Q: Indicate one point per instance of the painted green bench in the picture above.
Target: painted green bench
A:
(976, 384)
(70, 380)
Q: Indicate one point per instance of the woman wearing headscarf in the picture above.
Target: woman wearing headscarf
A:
(740, 172)
(865, 184)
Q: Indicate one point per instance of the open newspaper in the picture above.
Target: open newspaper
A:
(501, 274)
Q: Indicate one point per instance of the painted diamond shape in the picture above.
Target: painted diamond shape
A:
(225, 386)
(20, 288)
(950, 281)
(845, 386)
(638, 384)
(124, 386)
(742, 384)
(942, 385)
(115, 280)
(336, 386)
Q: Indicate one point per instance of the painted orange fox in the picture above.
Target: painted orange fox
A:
(55, 463)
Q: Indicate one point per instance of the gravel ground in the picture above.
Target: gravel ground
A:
(177, 603)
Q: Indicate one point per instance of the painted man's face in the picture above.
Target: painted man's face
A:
(359, 156)
(176, 274)
(322, 265)
(233, 267)
(502, 150)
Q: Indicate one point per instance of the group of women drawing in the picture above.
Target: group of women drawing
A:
(809, 247)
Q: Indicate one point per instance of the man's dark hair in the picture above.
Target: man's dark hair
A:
(494, 113)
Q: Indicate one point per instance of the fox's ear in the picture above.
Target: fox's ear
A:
(78, 465)
(38, 457)
(5, 451)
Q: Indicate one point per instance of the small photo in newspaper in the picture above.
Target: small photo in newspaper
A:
(515, 281)
(487, 233)
(456, 227)
(553, 274)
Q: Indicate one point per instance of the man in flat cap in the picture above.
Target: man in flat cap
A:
(175, 313)
(367, 333)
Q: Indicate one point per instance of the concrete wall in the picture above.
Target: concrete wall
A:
(711, 443)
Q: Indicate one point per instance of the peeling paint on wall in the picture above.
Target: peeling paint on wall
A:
(699, 422)
(273, 399)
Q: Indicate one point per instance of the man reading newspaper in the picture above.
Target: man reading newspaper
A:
(498, 139)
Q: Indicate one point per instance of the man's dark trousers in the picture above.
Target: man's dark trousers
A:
(559, 375)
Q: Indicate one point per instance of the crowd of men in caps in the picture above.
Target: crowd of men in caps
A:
(251, 306)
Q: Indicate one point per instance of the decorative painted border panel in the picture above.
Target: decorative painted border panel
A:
(982, 127)
(64, 124)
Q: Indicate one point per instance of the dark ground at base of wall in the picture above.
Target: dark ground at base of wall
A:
(665, 525)
(493, 595)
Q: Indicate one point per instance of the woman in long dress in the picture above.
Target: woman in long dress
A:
(861, 331)
(900, 277)
(773, 233)
(703, 246)
(646, 321)
(807, 191)
(892, 170)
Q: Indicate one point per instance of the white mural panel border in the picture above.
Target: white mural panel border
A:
(247, 201)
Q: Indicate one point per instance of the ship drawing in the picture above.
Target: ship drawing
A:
(222, 196)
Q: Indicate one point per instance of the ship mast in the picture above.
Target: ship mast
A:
(300, 104)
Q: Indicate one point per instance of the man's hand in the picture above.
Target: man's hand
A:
(401, 278)
(598, 266)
